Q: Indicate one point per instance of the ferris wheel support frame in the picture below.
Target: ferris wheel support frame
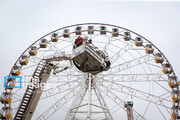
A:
(88, 86)
(89, 108)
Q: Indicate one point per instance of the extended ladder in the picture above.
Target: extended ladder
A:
(33, 94)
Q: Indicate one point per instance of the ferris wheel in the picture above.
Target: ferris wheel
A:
(91, 71)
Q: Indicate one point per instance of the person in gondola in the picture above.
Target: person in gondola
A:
(78, 41)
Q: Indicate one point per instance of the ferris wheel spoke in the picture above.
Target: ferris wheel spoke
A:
(108, 43)
(71, 40)
(69, 75)
(95, 35)
(136, 61)
(162, 86)
(16, 100)
(119, 101)
(160, 112)
(16, 96)
(55, 107)
(132, 77)
(140, 94)
(58, 90)
(52, 46)
(37, 59)
(130, 64)
(34, 60)
(29, 67)
(118, 54)
(66, 79)
(64, 47)
(84, 34)
(154, 65)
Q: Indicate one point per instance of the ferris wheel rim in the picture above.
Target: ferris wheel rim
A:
(93, 24)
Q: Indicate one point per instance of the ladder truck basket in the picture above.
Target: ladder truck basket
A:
(89, 58)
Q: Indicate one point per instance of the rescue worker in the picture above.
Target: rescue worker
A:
(78, 41)
(90, 41)
(108, 64)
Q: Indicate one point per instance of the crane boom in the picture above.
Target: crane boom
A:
(33, 94)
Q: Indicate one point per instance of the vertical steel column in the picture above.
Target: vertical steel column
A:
(89, 96)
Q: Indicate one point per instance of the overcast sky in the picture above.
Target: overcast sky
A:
(22, 22)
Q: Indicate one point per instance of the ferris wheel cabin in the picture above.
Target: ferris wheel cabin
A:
(103, 30)
(138, 41)
(88, 58)
(127, 36)
(23, 60)
(115, 32)
(149, 49)
(33, 51)
(16, 71)
(54, 37)
(6, 97)
(6, 113)
(78, 30)
(43, 43)
(66, 33)
(90, 29)
(11, 82)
